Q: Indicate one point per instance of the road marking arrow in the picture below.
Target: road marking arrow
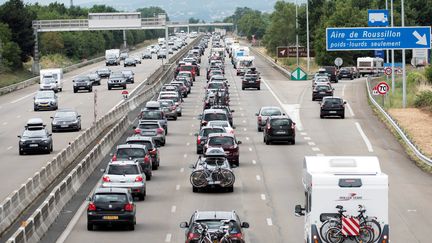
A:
(421, 39)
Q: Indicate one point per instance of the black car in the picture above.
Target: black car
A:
(251, 81)
(35, 138)
(203, 134)
(111, 206)
(151, 146)
(66, 120)
(103, 72)
(332, 106)
(279, 128)
(95, 78)
(129, 62)
(321, 91)
(345, 73)
(116, 79)
(214, 220)
(129, 75)
(332, 73)
(82, 83)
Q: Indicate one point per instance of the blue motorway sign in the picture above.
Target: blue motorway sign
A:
(378, 17)
(396, 64)
(379, 53)
(372, 38)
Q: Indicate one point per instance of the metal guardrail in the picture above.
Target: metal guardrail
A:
(396, 126)
(282, 70)
(38, 223)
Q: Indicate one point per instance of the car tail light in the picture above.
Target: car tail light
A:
(259, 118)
(129, 207)
(91, 207)
(232, 131)
(139, 179)
(137, 131)
(173, 107)
(160, 130)
(153, 151)
(293, 125)
(106, 179)
(199, 140)
(193, 236)
(237, 236)
(114, 158)
(146, 159)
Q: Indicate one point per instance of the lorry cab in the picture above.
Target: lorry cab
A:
(343, 182)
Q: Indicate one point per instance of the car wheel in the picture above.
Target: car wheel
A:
(163, 143)
(154, 166)
(109, 87)
(195, 189)
(313, 99)
(148, 177)
(321, 116)
(90, 90)
(267, 141)
(51, 149)
(175, 118)
(75, 90)
(124, 87)
(293, 141)
(259, 88)
(180, 114)
(132, 226)
(21, 152)
(259, 129)
(230, 189)
(141, 197)
(343, 116)
(243, 88)
(90, 226)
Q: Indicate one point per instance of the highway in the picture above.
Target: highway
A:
(17, 107)
(268, 181)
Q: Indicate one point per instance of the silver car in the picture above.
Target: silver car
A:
(153, 129)
(125, 174)
(45, 100)
(265, 112)
(169, 108)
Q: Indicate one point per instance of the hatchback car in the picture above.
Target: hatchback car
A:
(35, 138)
(345, 73)
(151, 129)
(130, 61)
(109, 207)
(332, 106)
(251, 81)
(82, 83)
(225, 124)
(117, 80)
(177, 101)
(214, 220)
(151, 146)
(129, 75)
(169, 109)
(138, 153)
(321, 91)
(125, 174)
(213, 115)
(66, 120)
(279, 128)
(265, 112)
(45, 100)
(203, 134)
(228, 142)
(154, 114)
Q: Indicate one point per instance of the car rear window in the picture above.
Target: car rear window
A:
(152, 115)
(323, 88)
(34, 133)
(332, 101)
(208, 131)
(122, 169)
(215, 116)
(270, 112)
(187, 68)
(280, 122)
(148, 144)
(126, 153)
(215, 86)
(110, 198)
(221, 141)
(148, 126)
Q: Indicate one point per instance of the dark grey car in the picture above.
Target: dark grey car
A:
(35, 139)
(82, 83)
(117, 80)
(95, 78)
(66, 120)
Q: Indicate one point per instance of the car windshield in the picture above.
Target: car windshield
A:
(44, 95)
(214, 116)
(65, 114)
(216, 86)
(49, 80)
(207, 131)
(81, 79)
(116, 75)
(126, 153)
(120, 169)
(271, 112)
(148, 126)
(280, 122)
(127, 73)
(332, 101)
(34, 133)
(110, 198)
(221, 141)
(219, 123)
(152, 114)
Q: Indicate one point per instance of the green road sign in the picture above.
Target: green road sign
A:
(298, 74)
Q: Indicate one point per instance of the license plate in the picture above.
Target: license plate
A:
(332, 112)
(110, 217)
(34, 145)
(322, 92)
(82, 87)
(64, 126)
(280, 132)
(251, 82)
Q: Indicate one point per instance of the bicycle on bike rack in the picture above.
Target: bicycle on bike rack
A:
(204, 176)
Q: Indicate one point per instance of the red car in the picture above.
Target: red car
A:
(228, 143)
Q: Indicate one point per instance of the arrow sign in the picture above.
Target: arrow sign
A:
(372, 38)
(282, 52)
(298, 74)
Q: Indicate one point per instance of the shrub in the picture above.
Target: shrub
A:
(415, 78)
(424, 100)
(428, 74)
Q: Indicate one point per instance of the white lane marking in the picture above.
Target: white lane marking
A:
(412, 210)
(185, 155)
(269, 222)
(263, 197)
(254, 162)
(244, 129)
(177, 187)
(311, 143)
(9, 148)
(5, 123)
(316, 149)
(250, 149)
(181, 170)
(190, 134)
(303, 133)
(365, 139)
(258, 177)
(19, 116)
(242, 114)
(193, 125)
(343, 90)
(187, 144)
(24, 97)
(241, 108)
(350, 109)
(168, 238)
(247, 138)
(320, 155)
(244, 121)
(307, 138)
(173, 209)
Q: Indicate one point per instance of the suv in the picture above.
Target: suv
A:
(332, 72)
(345, 73)
(125, 174)
(266, 112)
(45, 99)
(138, 153)
(82, 83)
(35, 138)
(151, 129)
(111, 206)
(203, 134)
(129, 75)
(251, 81)
(332, 106)
(151, 147)
(321, 91)
(214, 220)
(279, 128)
(103, 72)
(117, 79)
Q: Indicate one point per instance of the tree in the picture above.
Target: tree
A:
(19, 18)
(151, 12)
(193, 20)
(10, 51)
(252, 23)
(51, 42)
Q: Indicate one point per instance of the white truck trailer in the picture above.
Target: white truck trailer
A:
(347, 181)
(51, 79)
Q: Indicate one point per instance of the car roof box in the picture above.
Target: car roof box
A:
(35, 124)
(153, 105)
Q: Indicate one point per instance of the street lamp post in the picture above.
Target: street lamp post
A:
(297, 44)
(307, 34)
(392, 51)
(403, 60)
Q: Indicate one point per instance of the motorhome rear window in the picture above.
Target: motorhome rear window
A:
(350, 183)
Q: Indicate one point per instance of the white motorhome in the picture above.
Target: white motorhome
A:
(370, 65)
(240, 51)
(243, 63)
(51, 79)
(348, 181)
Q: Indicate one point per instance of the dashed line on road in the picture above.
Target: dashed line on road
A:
(350, 110)
(9, 148)
(177, 187)
(19, 99)
(241, 108)
(269, 222)
(173, 209)
(303, 133)
(263, 197)
(250, 149)
(247, 138)
(244, 121)
(5, 123)
(316, 149)
(181, 170)
(258, 177)
(190, 134)
(311, 143)
(365, 138)
(185, 155)
(307, 138)
(168, 238)
(242, 114)
(254, 162)
(187, 144)
(244, 129)
(320, 155)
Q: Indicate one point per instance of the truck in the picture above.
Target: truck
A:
(351, 183)
(243, 63)
(378, 17)
(112, 57)
(370, 65)
(51, 79)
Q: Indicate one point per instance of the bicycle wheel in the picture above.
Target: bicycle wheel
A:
(198, 179)
(227, 178)
(375, 226)
(325, 226)
(334, 235)
(366, 235)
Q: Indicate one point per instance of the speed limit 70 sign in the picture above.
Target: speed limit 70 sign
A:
(382, 88)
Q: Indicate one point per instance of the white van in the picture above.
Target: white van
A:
(347, 182)
(51, 79)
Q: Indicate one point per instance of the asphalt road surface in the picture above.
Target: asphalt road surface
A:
(268, 181)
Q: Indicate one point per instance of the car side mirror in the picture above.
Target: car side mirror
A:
(245, 225)
(184, 225)
(79, 116)
(73, 81)
(19, 136)
(50, 135)
(239, 142)
(233, 166)
(256, 114)
(299, 211)
(192, 166)
(102, 170)
(232, 110)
